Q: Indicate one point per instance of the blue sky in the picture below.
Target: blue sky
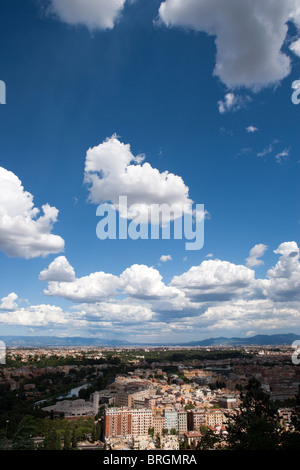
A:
(193, 88)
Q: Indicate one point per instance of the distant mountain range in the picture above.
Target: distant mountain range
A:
(54, 341)
(257, 340)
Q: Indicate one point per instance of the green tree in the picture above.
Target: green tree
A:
(256, 425)
(52, 441)
(290, 440)
(3, 440)
(203, 429)
(189, 407)
(67, 440)
(22, 438)
(296, 412)
(74, 439)
(183, 445)
(58, 441)
(209, 440)
(98, 430)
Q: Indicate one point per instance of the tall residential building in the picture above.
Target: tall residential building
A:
(227, 402)
(182, 422)
(141, 421)
(95, 399)
(158, 424)
(171, 420)
(196, 418)
(215, 418)
(122, 422)
(117, 422)
(124, 399)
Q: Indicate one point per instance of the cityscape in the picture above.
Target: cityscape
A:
(147, 398)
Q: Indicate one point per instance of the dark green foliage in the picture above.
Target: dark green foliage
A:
(67, 440)
(74, 439)
(22, 439)
(52, 441)
(256, 425)
(209, 440)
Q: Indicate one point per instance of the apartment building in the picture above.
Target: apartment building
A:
(196, 419)
(127, 422)
(141, 421)
(215, 418)
(182, 422)
(227, 402)
(171, 420)
(124, 399)
(117, 422)
(158, 424)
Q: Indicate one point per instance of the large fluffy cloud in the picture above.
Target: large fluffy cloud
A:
(115, 311)
(210, 281)
(213, 296)
(36, 315)
(245, 315)
(9, 302)
(111, 171)
(23, 232)
(93, 14)
(249, 35)
(59, 270)
(144, 282)
(137, 281)
(93, 288)
(215, 280)
(284, 277)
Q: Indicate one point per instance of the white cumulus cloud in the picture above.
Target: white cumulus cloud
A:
(111, 171)
(36, 315)
(214, 280)
(284, 277)
(214, 295)
(9, 302)
(92, 288)
(295, 47)
(94, 14)
(59, 270)
(116, 311)
(165, 258)
(23, 232)
(145, 282)
(249, 36)
(255, 253)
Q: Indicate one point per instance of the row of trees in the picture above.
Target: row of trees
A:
(59, 434)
